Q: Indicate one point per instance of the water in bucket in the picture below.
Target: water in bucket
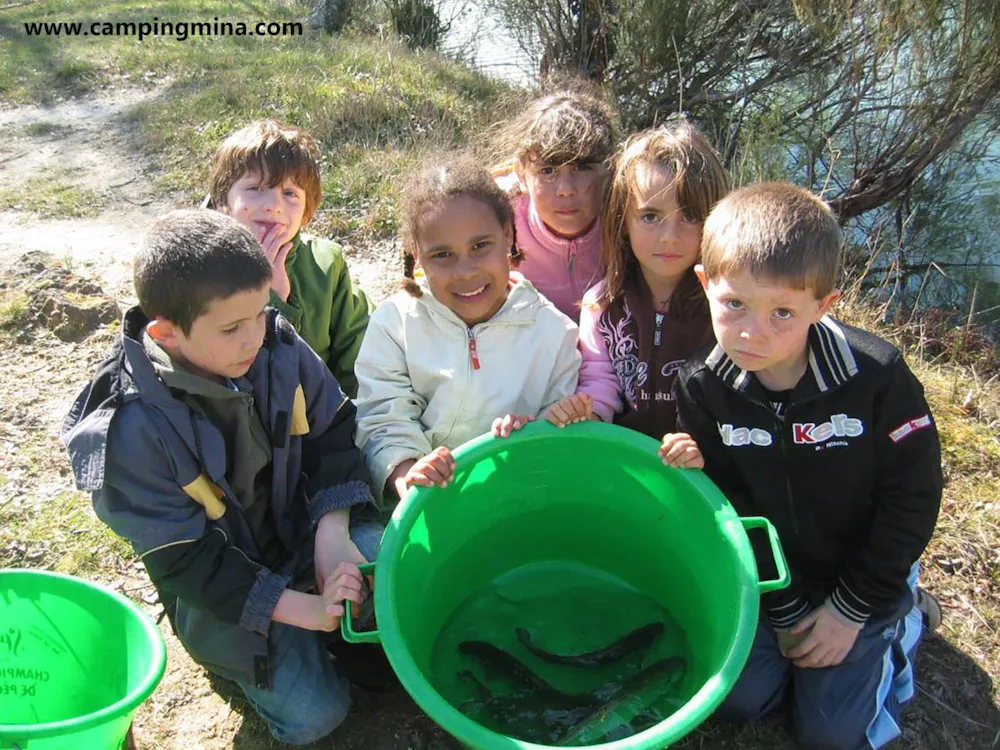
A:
(595, 642)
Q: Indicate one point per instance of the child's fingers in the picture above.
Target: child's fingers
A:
(495, 427)
(445, 454)
(520, 422)
(418, 478)
(444, 469)
(506, 424)
(551, 418)
(434, 476)
(282, 254)
(556, 415)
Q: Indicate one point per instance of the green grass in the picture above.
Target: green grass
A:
(374, 106)
(52, 195)
(60, 533)
(43, 129)
(13, 316)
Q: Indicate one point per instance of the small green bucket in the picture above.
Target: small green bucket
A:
(592, 495)
(76, 661)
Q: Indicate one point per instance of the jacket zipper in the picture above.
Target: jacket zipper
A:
(572, 261)
(473, 353)
(779, 425)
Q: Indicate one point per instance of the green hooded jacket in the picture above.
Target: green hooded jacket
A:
(327, 310)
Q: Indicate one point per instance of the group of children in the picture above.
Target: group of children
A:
(252, 416)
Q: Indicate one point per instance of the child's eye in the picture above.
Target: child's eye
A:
(440, 255)
(649, 218)
(733, 304)
(582, 166)
(230, 331)
(291, 194)
(481, 245)
(783, 313)
(547, 171)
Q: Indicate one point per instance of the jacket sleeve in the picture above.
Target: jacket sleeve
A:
(337, 475)
(389, 409)
(906, 499)
(784, 607)
(184, 554)
(597, 373)
(348, 321)
(566, 367)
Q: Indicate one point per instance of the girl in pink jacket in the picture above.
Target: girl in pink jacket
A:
(562, 146)
(649, 313)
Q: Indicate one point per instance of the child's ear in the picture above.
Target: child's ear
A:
(163, 332)
(699, 271)
(826, 303)
(508, 234)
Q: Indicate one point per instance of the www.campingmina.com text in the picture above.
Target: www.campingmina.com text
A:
(156, 28)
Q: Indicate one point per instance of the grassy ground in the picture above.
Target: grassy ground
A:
(374, 106)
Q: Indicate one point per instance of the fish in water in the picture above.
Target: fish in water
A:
(526, 714)
(635, 696)
(627, 644)
(505, 664)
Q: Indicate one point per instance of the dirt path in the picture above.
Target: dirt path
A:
(85, 144)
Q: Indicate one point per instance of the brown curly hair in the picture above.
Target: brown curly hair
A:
(438, 180)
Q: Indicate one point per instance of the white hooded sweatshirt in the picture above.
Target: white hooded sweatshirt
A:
(427, 379)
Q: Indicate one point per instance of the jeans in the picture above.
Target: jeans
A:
(852, 706)
(308, 698)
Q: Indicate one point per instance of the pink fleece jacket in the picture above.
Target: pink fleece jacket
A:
(598, 378)
(560, 269)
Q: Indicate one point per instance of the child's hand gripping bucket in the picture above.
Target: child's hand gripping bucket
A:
(76, 661)
(545, 504)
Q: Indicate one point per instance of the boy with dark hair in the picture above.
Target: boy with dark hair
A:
(222, 448)
(822, 428)
(266, 176)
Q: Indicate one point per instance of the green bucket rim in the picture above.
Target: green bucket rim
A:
(701, 704)
(126, 705)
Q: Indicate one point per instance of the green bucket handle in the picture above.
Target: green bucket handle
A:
(347, 628)
(783, 579)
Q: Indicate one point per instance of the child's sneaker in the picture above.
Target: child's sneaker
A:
(930, 608)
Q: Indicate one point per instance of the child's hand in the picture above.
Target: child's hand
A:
(679, 450)
(503, 426)
(787, 641)
(435, 469)
(345, 583)
(276, 251)
(577, 407)
(827, 643)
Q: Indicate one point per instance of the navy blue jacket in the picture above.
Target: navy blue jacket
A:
(156, 470)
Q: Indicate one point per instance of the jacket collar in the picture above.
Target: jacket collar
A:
(830, 358)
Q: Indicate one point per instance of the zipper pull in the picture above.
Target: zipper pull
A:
(472, 350)
(658, 334)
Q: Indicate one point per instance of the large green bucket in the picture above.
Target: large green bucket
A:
(592, 495)
(76, 661)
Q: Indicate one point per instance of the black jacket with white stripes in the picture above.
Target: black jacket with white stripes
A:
(849, 474)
